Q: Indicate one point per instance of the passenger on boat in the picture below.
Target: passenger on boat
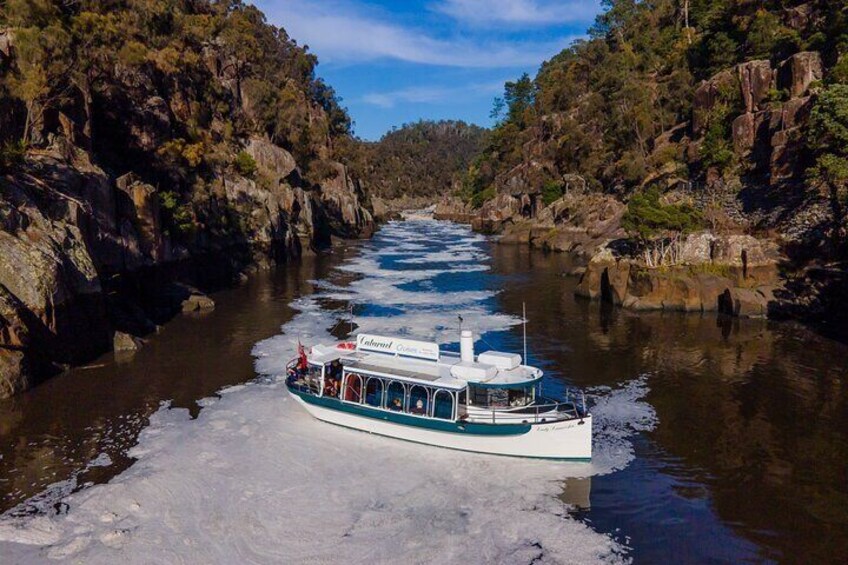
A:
(419, 408)
(331, 387)
(396, 405)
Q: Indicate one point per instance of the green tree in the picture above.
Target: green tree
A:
(827, 137)
(43, 60)
(518, 98)
(647, 217)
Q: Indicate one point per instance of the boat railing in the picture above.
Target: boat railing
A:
(301, 380)
(545, 410)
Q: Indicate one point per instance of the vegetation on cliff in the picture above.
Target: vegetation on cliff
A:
(223, 72)
(420, 159)
(710, 96)
(145, 141)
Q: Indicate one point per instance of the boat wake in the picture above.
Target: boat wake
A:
(255, 479)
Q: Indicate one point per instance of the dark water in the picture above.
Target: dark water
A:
(49, 435)
(748, 463)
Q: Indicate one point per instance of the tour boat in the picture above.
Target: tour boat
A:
(411, 390)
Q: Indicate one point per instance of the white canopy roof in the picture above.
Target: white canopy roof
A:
(446, 371)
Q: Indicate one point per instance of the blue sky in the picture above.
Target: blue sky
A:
(394, 62)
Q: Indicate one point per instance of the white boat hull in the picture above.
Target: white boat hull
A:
(568, 439)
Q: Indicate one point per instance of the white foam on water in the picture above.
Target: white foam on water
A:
(255, 479)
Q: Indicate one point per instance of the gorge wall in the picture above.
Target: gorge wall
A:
(149, 149)
(677, 123)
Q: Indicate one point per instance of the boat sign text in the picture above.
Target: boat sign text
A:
(394, 346)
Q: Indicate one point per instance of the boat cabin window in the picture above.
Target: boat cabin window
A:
(501, 397)
(395, 394)
(333, 379)
(419, 401)
(374, 392)
(443, 405)
(523, 396)
(353, 388)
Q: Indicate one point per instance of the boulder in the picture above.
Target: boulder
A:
(744, 133)
(379, 208)
(495, 213)
(799, 71)
(606, 277)
(197, 302)
(755, 81)
(125, 342)
(13, 372)
(453, 209)
(743, 303)
(271, 160)
(795, 112)
(697, 248)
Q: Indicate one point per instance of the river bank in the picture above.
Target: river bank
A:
(90, 261)
(52, 433)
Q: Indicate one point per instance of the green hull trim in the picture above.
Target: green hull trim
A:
(471, 428)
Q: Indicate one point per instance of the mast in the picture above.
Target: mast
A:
(524, 327)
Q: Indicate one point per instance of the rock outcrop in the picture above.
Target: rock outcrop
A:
(69, 233)
(454, 209)
(734, 275)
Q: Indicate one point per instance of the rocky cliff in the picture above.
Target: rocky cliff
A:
(172, 153)
(664, 129)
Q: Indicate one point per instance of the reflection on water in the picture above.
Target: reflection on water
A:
(52, 433)
(750, 457)
(577, 493)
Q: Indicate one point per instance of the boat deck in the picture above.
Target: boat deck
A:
(449, 371)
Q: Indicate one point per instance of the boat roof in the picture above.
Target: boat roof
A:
(444, 369)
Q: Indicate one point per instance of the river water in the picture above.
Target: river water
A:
(716, 440)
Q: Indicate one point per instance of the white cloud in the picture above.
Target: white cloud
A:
(343, 32)
(428, 94)
(527, 12)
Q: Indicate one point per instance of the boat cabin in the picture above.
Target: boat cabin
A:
(416, 378)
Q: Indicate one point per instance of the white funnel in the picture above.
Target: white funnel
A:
(466, 346)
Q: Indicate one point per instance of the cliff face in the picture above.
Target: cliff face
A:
(171, 161)
(725, 117)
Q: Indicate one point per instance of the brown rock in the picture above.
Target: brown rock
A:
(524, 179)
(785, 154)
(707, 94)
(197, 302)
(606, 278)
(795, 112)
(345, 215)
(755, 80)
(145, 217)
(125, 342)
(799, 17)
(743, 303)
(744, 133)
(799, 71)
(272, 160)
(13, 372)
